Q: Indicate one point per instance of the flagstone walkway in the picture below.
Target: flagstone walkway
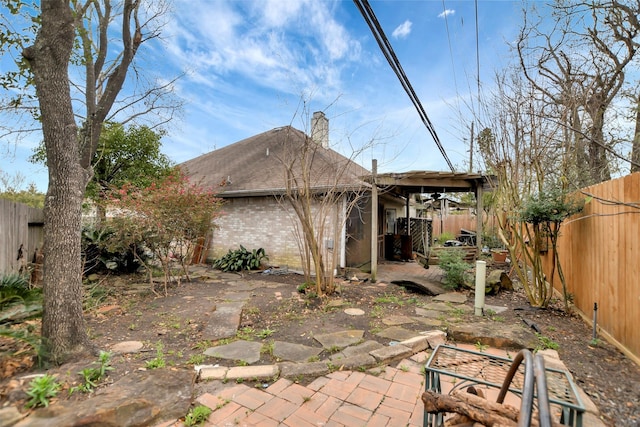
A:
(368, 386)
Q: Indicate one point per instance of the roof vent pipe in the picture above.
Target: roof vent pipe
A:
(320, 129)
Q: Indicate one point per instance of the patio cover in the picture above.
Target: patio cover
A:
(417, 182)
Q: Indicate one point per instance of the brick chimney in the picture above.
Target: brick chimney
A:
(320, 129)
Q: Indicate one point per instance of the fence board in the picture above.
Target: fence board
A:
(453, 224)
(19, 225)
(600, 256)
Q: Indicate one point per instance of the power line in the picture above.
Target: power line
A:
(371, 20)
(453, 65)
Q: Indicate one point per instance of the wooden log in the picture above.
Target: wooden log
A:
(473, 408)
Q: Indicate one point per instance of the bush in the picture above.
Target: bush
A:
(452, 262)
(15, 288)
(447, 235)
(241, 259)
(97, 258)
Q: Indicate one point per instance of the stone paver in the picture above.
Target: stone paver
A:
(294, 352)
(452, 297)
(397, 320)
(339, 339)
(247, 351)
(497, 309)
(391, 354)
(224, 321)
(126, 347)
(364, 347)
(396, 333)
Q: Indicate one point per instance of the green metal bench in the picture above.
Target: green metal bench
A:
(470, 368)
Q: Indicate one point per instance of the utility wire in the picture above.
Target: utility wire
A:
(477, 56)
(371, 20)
(453, 65)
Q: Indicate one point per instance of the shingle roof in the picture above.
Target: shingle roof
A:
(256, 165)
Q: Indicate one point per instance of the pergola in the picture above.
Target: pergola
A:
(418, 182)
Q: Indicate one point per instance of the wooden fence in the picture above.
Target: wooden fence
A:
(20, 225)
(599, 251)
(453, 224)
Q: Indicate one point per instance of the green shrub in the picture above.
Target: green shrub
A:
(15, 289)
(14, 284)
(491, 240)
(99, 257)
(446, 235)
(241, 259)
(452, 262)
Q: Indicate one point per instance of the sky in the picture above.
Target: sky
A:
(249, 66)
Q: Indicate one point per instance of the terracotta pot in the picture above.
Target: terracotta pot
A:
(499, 256)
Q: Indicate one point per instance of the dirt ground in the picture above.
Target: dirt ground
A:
(171, 328)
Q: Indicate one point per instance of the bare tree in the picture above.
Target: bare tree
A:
(524, 152)
(322, 187)
(580, 66)
(69, 150)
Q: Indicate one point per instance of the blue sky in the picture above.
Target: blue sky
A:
(249, 65)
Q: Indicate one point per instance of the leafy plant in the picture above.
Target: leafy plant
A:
(480, 347)
(245, 333)
(545, 342)
(92, 376)
(196, 359)
(41, 390)
(98, 256)
(446, 235)
(170, 216)
(265, 333)
(197, 416)
(545, 212)
(389, 299)
(241, 259)
(454, 266)
(267, 348)
(15, 288)
(158, 361)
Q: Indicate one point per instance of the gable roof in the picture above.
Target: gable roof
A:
(256, 165)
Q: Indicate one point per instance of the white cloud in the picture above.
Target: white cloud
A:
(403, 30)
(446, 13)
(291, 47)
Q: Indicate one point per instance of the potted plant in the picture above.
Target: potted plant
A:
(495, 247)
(499, 255)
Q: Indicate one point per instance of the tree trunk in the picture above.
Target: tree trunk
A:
(63, 326)
(598, 163)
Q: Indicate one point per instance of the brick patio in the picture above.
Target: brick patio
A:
(342, 398)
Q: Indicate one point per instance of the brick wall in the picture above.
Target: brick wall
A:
(262, 222)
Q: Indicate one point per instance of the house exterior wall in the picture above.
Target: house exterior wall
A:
(264, 222)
